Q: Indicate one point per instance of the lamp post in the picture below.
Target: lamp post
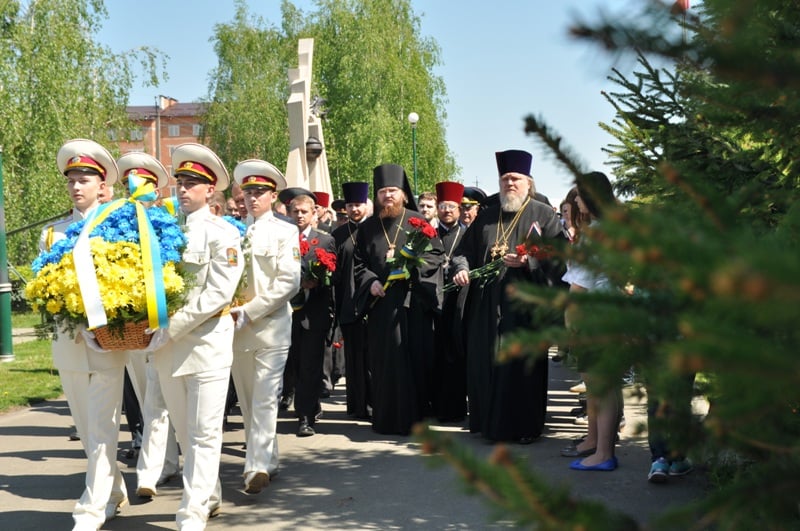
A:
(413, 118)
(6, 348)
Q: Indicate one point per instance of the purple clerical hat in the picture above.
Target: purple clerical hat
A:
(357, 192)
(513, 161)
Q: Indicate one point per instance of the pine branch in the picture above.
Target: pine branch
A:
(506, 482)
(537, 126)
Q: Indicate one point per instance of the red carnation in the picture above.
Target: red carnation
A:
(428, 230)
(417, 222)
(540, 253)
(521, 249)
(304, 247)
(326, 258)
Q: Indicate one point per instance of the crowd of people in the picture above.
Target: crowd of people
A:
(411, 290)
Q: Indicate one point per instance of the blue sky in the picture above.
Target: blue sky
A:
(501, 60)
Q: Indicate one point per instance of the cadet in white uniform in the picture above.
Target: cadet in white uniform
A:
(92, 381)
(264, 321)
(158, 457)
(194, 366)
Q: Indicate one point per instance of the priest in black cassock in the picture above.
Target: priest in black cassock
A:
(450, 369)
(396, 316)
(350, 310)
(507, 401)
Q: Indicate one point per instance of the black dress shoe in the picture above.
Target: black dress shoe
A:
(305, 428)
(285, 403)
(325, 393)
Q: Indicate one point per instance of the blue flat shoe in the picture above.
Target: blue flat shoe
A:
(606, 466)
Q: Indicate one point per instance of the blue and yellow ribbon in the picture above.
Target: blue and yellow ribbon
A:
(408, 253)
(400, 273)
(170, 204)
(142, 190)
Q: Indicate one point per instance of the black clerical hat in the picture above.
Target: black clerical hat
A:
(513, 161)
(387, 175)
(356, 192)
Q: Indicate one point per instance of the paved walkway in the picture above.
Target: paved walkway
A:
(345, 477)
(20, 335)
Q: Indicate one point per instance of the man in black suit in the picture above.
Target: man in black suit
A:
(312, 316)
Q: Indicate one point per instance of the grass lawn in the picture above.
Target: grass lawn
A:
(30, 378)
(25, 320)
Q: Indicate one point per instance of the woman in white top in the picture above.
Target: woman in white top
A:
(594, 194)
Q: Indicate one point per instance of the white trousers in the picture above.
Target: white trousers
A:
(95, 401)
(258, 377)
(196, 404)
(137, 370)
(159, 452)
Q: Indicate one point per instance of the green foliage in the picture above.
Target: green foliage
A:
(710, 241)
(247, 115)
(30, 378)
(369, 64)
(57, 84)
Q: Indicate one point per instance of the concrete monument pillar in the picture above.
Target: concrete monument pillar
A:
(306, 166)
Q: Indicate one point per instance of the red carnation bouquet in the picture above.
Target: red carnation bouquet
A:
(323, 267)
(539, 252)
(418, 241)
(489, 271)
(320, 269)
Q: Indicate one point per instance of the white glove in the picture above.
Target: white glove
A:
(239, 317)
(159, 339)
(91, 341)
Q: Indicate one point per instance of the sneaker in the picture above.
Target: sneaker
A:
(680, 467)
(582, 420)
(658, 471)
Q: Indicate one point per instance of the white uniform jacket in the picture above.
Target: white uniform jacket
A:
(272, 278)
(202, 338)
(71, 354)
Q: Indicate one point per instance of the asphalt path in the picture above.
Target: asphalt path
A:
(345, 477)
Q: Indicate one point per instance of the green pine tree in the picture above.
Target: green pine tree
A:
(706, 154)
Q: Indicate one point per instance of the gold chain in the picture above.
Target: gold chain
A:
(390, 252)
(448, 254)
(501, 235)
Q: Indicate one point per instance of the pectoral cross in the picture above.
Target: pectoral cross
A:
(498, 249)
(390, 252)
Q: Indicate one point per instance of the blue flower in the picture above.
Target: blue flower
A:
(241, 227)
(121, 225)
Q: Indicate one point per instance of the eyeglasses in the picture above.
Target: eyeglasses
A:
(447, 208)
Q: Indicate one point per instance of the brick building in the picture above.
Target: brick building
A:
(160, 129)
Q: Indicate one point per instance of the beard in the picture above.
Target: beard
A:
(391, 211)
(512, 202)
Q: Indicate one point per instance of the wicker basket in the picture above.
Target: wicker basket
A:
(130, 337)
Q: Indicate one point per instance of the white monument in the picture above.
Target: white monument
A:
(307, 166)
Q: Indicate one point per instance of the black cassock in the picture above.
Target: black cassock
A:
(507, 401)
(397, 324)
(350, 317)
(450, 362)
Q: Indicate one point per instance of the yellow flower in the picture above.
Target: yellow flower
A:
(120, 279)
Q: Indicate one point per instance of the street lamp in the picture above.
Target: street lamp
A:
(6, 348)
(413, 118)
